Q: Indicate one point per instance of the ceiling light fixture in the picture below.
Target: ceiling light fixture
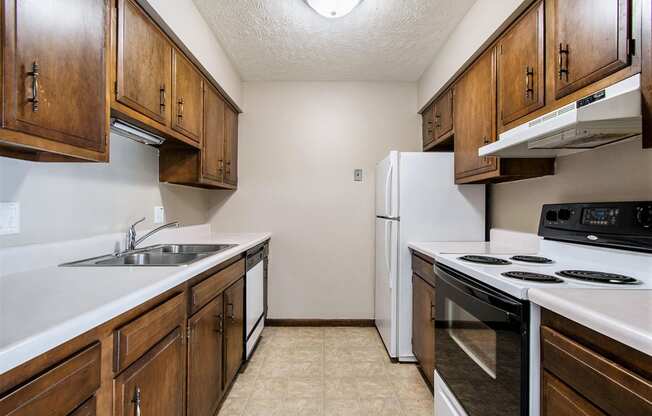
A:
(333, 8)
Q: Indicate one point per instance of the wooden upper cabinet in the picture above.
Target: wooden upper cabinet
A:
(230, 146)
(187, 97)
(54, 67)
(205, 370)
(212, 164)
(428, 125)
(443, 117)
(591, 41)
(475, 94)
(233, 328)
(144, 65)
(423, 325)
(520, 67)
(155, 383)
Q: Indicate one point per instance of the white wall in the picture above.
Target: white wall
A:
(188, 24)
(62, 201)
(481, 21)
(299, 144)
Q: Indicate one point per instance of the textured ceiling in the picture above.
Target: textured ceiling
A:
(381, 40)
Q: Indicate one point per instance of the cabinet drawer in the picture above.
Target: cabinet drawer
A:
(60, 390)
(557, 399)
(423, 268)
(206, 290)
(611, 387)
(133, 339)
(89, 408)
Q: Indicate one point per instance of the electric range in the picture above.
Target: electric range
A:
(486, 331)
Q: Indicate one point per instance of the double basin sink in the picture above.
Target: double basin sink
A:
(158, 255)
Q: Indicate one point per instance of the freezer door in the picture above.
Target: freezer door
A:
(387, 186)
(386, 282)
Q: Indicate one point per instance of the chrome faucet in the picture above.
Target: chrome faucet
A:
(132, 242)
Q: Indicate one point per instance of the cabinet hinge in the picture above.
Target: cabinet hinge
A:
(631, 47)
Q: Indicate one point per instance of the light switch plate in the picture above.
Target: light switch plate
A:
(9, 218)
(159, 215)
(357, 175)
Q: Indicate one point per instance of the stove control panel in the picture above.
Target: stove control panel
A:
(616, 224)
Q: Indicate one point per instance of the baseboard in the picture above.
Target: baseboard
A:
(320, 322)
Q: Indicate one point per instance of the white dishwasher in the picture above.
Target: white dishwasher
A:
(254, 299)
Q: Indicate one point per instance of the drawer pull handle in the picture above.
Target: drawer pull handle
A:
(34, 73)
(180, 111)
(220, 323)
(432, 312)
(162, 98)
(563, 63)
(136, 400)
(529, 82)
(232, 313)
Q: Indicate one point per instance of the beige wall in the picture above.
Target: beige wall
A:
(620, 172)
(299, 144)
(63, 201)
(483, 19)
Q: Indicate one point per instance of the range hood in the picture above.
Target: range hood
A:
(135, 133)
(604, 117)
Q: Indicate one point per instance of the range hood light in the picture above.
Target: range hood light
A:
(333, 8)
(135, 133)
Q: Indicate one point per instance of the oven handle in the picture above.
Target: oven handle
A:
(498, 300)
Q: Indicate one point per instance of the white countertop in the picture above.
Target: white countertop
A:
(436, 249)
(624, 315)
(43, 308)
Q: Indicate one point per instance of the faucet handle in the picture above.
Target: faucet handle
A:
(132, 226)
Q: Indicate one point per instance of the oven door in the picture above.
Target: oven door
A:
(481, 345)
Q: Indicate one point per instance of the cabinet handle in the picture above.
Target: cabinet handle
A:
(180, 111)
(437, 119)
(432, 312)
(529, 82)
(136, 400)
(220, 323)
(486, 140)
(563, 68)
(162, 98)
(34, 73)
(220, 166)
(232, 314)
(228, 167)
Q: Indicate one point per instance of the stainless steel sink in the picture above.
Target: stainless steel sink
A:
(159, 255)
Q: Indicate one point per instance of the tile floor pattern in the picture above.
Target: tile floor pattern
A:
(326, 372)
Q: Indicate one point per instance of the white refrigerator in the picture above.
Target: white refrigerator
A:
(416, 201)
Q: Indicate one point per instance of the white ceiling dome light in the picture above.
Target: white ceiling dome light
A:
(333, 8)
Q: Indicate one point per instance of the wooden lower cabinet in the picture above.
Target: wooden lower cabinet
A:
(205, 356)
(558, 399)
(423, 325)
(234, 328)
(155, 383)
(89, 408)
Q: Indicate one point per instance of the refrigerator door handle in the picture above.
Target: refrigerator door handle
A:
(388, 191)
(388, 251)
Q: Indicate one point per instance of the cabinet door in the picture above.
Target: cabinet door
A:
(520, 67)
(187, 97)
(213, 143)
(233, 329)
(143, 64)
(230, 145)
(591, 39)
(155, 383)
(55, 70)
(427, 125)
(423, 325)
(558, 399)
(89, 408)
(205, 387)
(444, 114)
(475, 94)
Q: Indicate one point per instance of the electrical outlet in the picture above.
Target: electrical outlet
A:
(357, 175)
(159, 215)
(9, 218)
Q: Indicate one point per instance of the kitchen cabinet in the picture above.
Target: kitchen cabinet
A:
(212, 162)
(54, 78)
(233, 328)
(444, 115)
(423, 325)
(205, 371)
(585, 372)
(428, 126)
(520, 67)
(143, 65)
(155, 383)
(187, 91)
(591, 41)
(230, 146)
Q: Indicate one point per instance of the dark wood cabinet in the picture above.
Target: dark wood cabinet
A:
(233, 328)
(428, 126)
(205, 370)
(212, 162)
(558, 399)
(54, 78)
(423, 325)
(155, 383)
(143, 61)
(520, 67)
(443, 118)
(591, 41)
(230, 146)
(187, 97)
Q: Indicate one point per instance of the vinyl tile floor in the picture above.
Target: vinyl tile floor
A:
(338, 371)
